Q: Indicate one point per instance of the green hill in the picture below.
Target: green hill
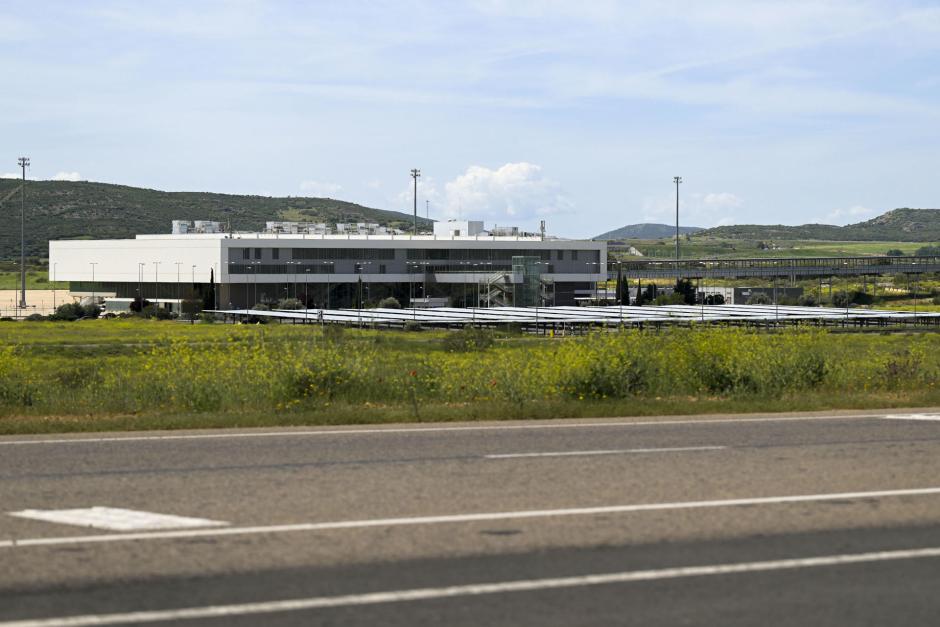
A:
(898, 225)
(647, 230)
(64, 210)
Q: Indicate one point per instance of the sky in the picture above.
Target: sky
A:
(578, 113)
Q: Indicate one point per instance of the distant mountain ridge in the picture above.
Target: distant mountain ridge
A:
(647, 230)
(900, 225)
(63, 210)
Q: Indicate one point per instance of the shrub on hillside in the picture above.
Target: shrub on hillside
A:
(468, 339)
(289, 303)
(74, 311)
(389, 303)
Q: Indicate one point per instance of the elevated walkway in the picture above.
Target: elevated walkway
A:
(791, 267)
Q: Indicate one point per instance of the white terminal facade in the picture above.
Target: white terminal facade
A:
(459, 266)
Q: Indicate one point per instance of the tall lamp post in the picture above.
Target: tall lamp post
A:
(140, 284)
(23, 163)
(677, 180)
(415, 174)
(92, 264)
(156, 283)
(179, 303)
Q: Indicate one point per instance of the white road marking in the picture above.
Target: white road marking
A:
(932, 417)
(464, 518)
(116, 519)
(478, 589)
(619, 451)
(502, 427)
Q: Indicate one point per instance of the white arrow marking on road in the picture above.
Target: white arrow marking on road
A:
(465, 518)
(116, 519)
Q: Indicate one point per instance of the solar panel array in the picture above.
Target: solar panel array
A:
(602, 315)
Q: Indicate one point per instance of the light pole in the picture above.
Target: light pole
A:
(179, 303)
(329, 287)
(92, 264)
(415, 174)
(677, 180)
(24, 163)
(192, 315)
(156, 283)
(140, 284)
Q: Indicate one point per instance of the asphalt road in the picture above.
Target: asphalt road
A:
(787, 520)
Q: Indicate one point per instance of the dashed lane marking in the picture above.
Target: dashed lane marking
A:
(930, 417)
(621, 451)
(223, 435)
(463, 518)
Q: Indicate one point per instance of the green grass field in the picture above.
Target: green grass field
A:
(138, 374)
(35, 280)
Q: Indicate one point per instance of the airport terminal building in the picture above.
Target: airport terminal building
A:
(361, 265)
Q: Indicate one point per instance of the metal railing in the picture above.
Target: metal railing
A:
(775, 266)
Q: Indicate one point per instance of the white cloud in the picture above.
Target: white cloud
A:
(695, 209)
(518, 192)
(321, 190)
(849, 215)
(67, 176)
(9, 175)
(722, 200)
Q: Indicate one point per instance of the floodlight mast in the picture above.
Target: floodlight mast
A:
(415, 174)
(23, 163)
(677, 180)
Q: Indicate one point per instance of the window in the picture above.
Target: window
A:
(275, 253)
(561, 255)
(574, 255)
(246, 253)
(381, 268)
(257, 253)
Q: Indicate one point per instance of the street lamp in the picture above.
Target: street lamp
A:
(92, 264)
(140, 285)
(156, 283)
(594, 263)
(416, 174)
(329, 287)
(179, 302)
(677, 180)
(24, 163)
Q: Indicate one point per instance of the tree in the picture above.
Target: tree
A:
(895, 252)
(208, 298)
(758, 298)
(390, 302)
(687, 290)
(137, 305)
(290, 303)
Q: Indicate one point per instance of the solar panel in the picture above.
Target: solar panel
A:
(605, 315)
